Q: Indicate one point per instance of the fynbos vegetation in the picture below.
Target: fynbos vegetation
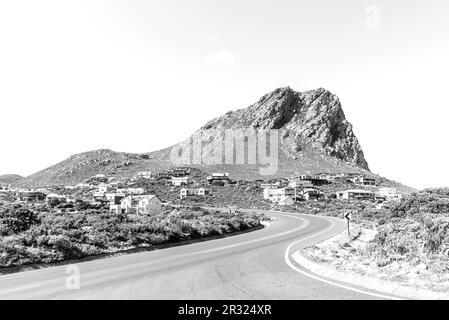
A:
(40, 236)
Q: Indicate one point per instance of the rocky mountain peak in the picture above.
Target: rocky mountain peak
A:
(312, 118)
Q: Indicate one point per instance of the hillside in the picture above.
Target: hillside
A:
(314, 137)
(7, 179)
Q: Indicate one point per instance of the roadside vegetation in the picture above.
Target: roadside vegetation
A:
(44, 234)
(415, 230)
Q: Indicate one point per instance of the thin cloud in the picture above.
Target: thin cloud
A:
(211, 37)
(222, 57)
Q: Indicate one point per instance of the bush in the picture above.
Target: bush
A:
(54, 236)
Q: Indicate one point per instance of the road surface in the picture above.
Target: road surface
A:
(254, 265)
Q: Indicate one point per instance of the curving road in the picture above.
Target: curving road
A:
(254, 265)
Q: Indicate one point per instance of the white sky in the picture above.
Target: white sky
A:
(138, 76)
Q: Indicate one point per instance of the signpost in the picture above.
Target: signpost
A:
(348, 217)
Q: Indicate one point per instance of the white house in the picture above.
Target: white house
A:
(136, 191)
(179, 181)
(104, 188)
(144, 174)
(354, 194)
(184, 193)
(364, 181)
(311, 194)
(114, 198)
(389, 193)
(143, 204)
(297, 183)
(54, 196)
(218, 176)
(277, 194)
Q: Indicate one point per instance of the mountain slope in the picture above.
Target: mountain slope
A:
(7, 179)
(314, 137)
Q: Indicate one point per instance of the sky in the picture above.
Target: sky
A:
(138, 76)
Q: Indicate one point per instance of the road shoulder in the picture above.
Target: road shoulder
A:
(335, 259)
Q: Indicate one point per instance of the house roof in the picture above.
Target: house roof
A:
(140, 197)
(356, 190)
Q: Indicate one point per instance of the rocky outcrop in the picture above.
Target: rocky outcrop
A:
(313, 118)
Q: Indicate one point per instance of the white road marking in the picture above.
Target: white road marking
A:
(311, 275)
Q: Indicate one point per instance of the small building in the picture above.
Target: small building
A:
(218, 176)
(104, 188)
(389, 193)
(143, 204)
(144, 174)
(297, 183)
(179, 181)
(115, 198)
(277, 194)
(180, 172)
(270, 185)
(184, 193)
(136, 191)
(56, 197)
(99, 196)
(310, 194)
(354, 194)
(30, 196)
(163, 176)
(363, 181)
(314, 180)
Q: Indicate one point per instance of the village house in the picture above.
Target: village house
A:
(56, 197)
(314, 180)
(30, 196)
(218, 176)
(180, 172)
(279, 194)
(274, 185)
(297, 183)
(310, 194)
(114, 198)
(363, 181)
(354, 194)
(163, 176)
(83, 186)
(144, 174)
(143, 204)
(184, 193)
(179, 181)
(389, 193)
(136, 191)
(104, 188)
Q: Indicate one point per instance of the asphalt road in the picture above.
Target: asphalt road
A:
(254, 265)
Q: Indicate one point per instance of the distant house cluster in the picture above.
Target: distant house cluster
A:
(129, 200)
(308, 188)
